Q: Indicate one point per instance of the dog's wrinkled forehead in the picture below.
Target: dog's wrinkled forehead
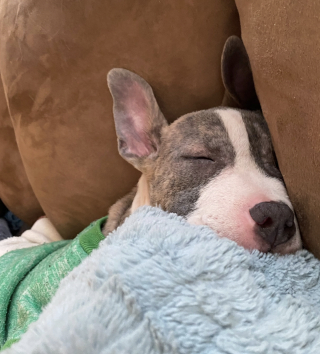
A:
(197, 134)
(209, 133)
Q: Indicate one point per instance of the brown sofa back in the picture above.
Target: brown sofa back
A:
(54, 58)
(15, 189)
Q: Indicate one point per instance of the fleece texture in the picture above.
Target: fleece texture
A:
(160, 285)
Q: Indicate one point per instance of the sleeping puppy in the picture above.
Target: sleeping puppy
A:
(214, 167)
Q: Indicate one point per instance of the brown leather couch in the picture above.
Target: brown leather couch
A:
(58, 146)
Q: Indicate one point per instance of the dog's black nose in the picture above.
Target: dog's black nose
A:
(275, 222)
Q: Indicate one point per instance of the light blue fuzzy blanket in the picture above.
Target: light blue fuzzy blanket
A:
(159, 285)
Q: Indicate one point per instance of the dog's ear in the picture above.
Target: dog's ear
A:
(237, 76)
(137, 117)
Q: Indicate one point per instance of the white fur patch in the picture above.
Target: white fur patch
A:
(224, 203)
(142, 197)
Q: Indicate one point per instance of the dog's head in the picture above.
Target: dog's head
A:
(215, 167)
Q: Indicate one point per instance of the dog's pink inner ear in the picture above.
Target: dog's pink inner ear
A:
(134, 126)
(137, 116)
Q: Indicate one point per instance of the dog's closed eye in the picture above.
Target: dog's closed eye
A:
(206, 158)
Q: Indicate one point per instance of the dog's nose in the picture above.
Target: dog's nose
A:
(275, 222)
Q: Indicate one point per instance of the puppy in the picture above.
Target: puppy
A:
(214, 167)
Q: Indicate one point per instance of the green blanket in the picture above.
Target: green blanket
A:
(29, 278)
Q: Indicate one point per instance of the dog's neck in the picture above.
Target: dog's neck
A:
(142, 196)
(124, 207)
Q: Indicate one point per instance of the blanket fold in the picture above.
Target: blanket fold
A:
(160, 285)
